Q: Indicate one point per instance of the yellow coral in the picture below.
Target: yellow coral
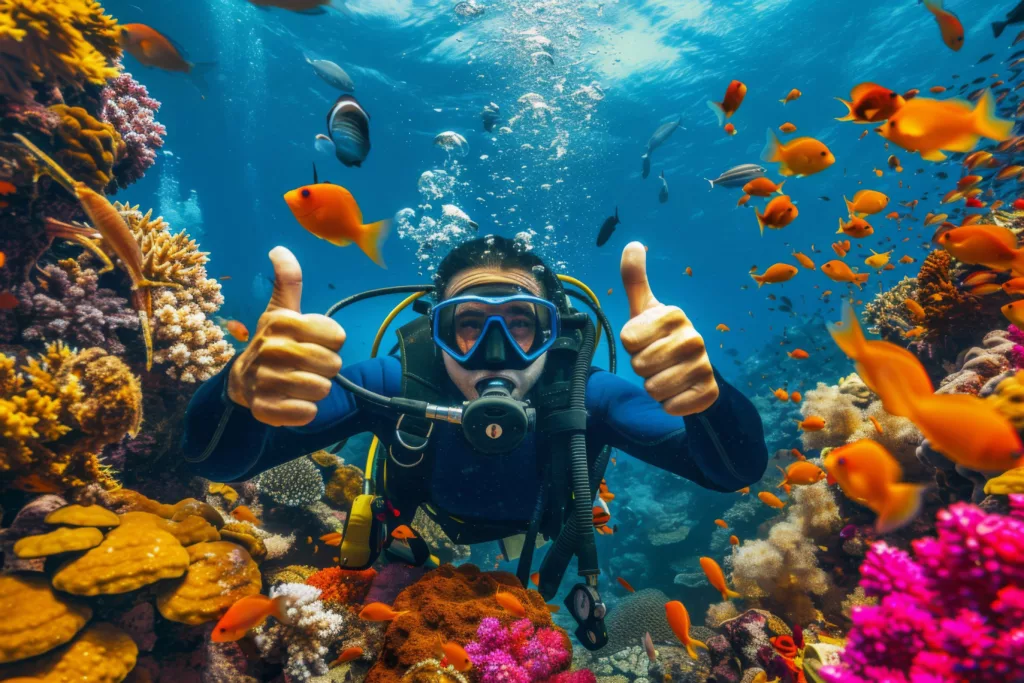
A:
(243, 535)
(293, 573)
(229, 494)
(35, 619)
(67, 43)
(86, 147)
(82, 515)
(220, 574)
(126, 500)
(126, 560)
(1008, 399)
(102, 654)
(60, 410)
(190, 530)
(1010, 481)
(59, 541)
(345, 484)
(326, 459)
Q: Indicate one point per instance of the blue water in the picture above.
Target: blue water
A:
(420, 70)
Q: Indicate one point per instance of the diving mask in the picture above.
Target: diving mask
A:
(489, 328)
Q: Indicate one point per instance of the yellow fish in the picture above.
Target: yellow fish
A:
(798, 157)
(932, 127)
(876, 260)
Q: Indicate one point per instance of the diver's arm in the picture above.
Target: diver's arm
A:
(224, 442)
(721, 448)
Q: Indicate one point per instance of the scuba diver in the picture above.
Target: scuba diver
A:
(487, 413)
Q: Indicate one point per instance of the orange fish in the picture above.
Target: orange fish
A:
(334, 538)
(781, 394)
(871, 103)
(378, 611)
(787, 127)
(988, 245)
(779, 213)
(795, 397)
(730, 129)
(717, 578)
(679, 622)
(237, 330)
(856, 228)
(907, 259)
(744, 491)
(840, 272)
(811, 423)
(347, 655)
(937, 89)
(866, 203)
(968, 182)
(403, 533)
(7, 187)
(331, 213)
(975, 159)
(916, 311)
(510, 603)
(455, 654)
(799, 157)
(722, 523)
(771, 500)
(793, 94)
(804, 260)
(797, 454)
(248, 613)
(535, 578)
(1014, 286)
(722, 327)
(733, 540)
(949, 25)
(875, 423)
(152, 48)
(734, 95)
(742, 201)
(778, 273)
(841, 248)
(243, 514)
(931, 127)
(625, 585)
(798, 354)
(801, 473)
(689, 271)
(867, 473)
(224, 277)
(763, 187)
(903, 385)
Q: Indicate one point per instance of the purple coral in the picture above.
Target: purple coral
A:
(129, 108)
(520, 654)
(952, 613)
(1016, 335)
(69, 305)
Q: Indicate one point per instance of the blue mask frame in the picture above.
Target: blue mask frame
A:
(442, 314)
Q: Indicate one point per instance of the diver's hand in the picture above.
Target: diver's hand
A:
(667, 351)
(292, 357)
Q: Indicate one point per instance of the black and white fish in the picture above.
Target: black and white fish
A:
(607, 228)
(490, 115)
(1014, 16)
(663, 193)
(332, 74)
(738, 176)
(349, 127)
(663, 133)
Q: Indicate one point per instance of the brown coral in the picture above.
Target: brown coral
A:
(36, 619)
(66, 43)
(83, 515)
(86, 147)
(190, 530)
(220, 574)
(126, 560)
(887, 314)
(102, 654)
(243, 535)
(126, 500)
(345, 484)
(60, 410)
(950, 314)
(59, 541)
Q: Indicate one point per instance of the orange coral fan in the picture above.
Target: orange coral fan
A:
(342, 586)
(86, 148)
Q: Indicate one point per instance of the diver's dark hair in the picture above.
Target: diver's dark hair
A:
(493, 251)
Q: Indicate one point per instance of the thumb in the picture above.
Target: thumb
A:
(287, 280)
(634, 279)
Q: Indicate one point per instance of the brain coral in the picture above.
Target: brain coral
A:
(86, 147)
(451, 602)
(294, 483)
(36, 619)
(637, 613)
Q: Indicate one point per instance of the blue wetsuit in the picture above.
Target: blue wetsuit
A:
(721, 449)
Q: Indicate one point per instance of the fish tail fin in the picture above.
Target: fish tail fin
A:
(840, 225)
(778, 188)
(279, 609)
(998, 27)
(934, 6)
(57, 172)
(370, 238)
(860, 279)
(849, 111)
(784, 478)
(902, 504)
(1017, 265)
(692, 645)
(728, 595)
(772, 147)
(849, 207)
(760, 222)
(719, 111)
(848, 335)
(712, 183)
(759, 279)
(197, 74)
(986, 123)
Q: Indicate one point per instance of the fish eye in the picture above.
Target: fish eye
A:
(305, 193)
(841, 462)
(824, 153)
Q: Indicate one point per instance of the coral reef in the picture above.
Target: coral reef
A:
(36, 619)
(391, 580)
(294, 483)
(61, 410)
(517, 654)
(1008, 397)
(128, 107)
(443, 547)
(86, 147)
(638, 613)
(345, 484)
(951, 612)
(102, 653)
(303, 642)
(219, 574)
(340, 587)
(67, 304)
(978, 365)
(887, 315)
(951, 316)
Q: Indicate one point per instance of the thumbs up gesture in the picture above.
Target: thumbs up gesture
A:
(665, 348)
(292, 356)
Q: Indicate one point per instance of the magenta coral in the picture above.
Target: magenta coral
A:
(129, 108)
(1016, 335)
(521, 654)
(952, 613)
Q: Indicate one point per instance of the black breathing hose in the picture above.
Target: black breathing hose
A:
(586, 547)
(605, 325)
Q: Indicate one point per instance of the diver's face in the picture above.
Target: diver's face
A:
(469, 323)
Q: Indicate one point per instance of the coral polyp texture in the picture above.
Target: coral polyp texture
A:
(519, 653)
(128, 107)
(952, 610)
(86, 147)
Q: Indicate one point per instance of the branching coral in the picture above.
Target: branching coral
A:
(66, 43)
(68, 305)
(342, 587)
(518, 654)
(294, 483)
(304, 642)
(887, 314)
(128, 107)
(61, 410)
(952, 612)
(86, 147)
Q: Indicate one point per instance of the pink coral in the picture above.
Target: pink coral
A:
(952, 613)
(520, 654)
(129, 108)
(1016, 335)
